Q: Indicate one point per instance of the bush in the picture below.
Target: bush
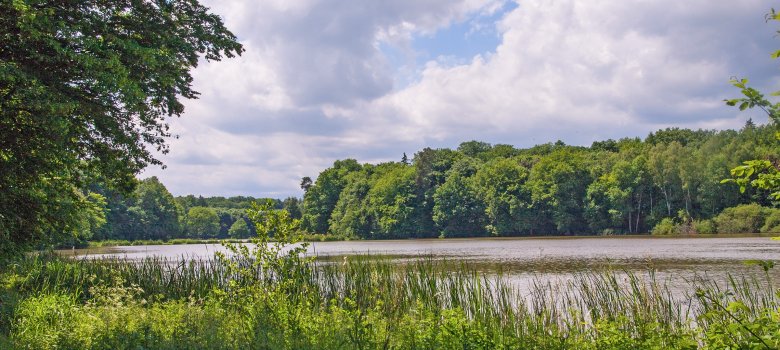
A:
(704, 227)
(747, 218)
(665, 227)
(772, 222)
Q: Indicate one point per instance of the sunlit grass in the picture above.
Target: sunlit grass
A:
(381, 300)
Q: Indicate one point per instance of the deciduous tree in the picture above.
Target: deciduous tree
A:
(86, 89)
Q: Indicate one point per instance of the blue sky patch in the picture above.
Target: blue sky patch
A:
(463, 40)
(453, 45)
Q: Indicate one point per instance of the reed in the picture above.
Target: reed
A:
(384, 300)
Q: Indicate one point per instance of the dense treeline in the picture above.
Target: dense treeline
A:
(668, 183)
(626, 186)
(150, 212)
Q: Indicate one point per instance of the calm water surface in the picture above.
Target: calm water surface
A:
(527, 256)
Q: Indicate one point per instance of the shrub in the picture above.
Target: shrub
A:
(704, 227)
(772, 222)
(747, 218)
(665, 227)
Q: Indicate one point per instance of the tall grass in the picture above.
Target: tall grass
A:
(381, 299)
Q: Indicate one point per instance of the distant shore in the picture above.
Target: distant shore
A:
(332, 238)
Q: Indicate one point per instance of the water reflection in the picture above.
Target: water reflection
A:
(521, 260)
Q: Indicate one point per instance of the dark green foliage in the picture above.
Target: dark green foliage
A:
(239, 229)
(684, 137)
(202, 222)
(154, 214)
(558, 184)
(321, 197)
(351, 217)
(747, 218)
(378, 202)
(85, 92)
(459, 208)
(475, 149)
(502, 188)
(293, 206)
(431, 166)
(392, 203)
(626, 186)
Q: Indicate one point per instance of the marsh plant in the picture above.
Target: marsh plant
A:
(268, 294)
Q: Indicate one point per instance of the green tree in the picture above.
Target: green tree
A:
(558, 183)
(321, 198)
(86, 89)
(154, 213)
(306, 183)
(747, 218)
(475, 149)
(501, 186)
(293, 206)
(431, 166)
(392, 204)
(351, 216)
(617, 199)
(663, 164)
(239, 229)
(458, 209)
(203, 222)
(93, 217)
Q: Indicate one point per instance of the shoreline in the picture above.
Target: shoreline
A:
(329, 238)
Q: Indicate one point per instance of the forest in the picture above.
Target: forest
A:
(672, 182)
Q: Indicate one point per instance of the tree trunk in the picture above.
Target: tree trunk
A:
(638, 212)
(666, 198)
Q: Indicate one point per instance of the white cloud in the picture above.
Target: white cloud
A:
(314, 85)
(574, 68)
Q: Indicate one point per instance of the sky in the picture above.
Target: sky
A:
(323, 80)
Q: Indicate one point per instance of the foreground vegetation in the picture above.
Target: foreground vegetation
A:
(364, 303)
(269, 295)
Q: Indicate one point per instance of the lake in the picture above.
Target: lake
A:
(677, 259)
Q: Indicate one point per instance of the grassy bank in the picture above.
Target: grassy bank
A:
(360, 303)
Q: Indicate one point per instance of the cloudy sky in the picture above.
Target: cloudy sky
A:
(323, 80)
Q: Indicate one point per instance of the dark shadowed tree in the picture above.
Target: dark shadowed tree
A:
(306, 183)
(293, 206)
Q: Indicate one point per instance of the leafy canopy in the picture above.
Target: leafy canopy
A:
(86, 88)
